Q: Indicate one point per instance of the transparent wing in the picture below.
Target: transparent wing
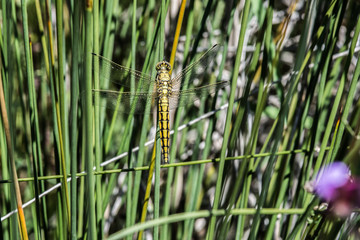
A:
(120, 75)
(196, 70)
(189, 96)
(125, 101)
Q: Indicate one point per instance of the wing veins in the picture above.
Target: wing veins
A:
(120, 75)
(188, 69)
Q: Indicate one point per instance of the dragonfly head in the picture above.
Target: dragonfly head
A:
(163, 66)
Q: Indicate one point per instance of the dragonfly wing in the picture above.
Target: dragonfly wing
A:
(189, 96)
(196, 69)
(120, 75)
(125, 101)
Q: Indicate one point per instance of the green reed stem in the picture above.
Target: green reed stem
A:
(76, 43)
(90, 184)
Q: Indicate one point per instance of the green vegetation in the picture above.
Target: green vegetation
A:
(241, 160)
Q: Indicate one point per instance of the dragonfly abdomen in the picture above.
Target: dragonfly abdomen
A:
(164, 126)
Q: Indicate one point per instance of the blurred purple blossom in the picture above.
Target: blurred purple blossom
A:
(335, 185)
(330, 178)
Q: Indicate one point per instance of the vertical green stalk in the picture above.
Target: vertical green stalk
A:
(22, 222)
(61, 61)
(141, 155)
(43, 40)
(99, 212)
(44, 215)
(193, 181)
(10, 150)
(81, 196)
(129, 193)
(161, 42)
(73, 115)
(177, 34)
(60, 228)
(9, 190)
(60, 112)
(150, 26)
(9, 228)
(55, 109)
(35, 143)
(4, 43)
(5, 190)
(211, 229)
(88, 114)
(109, 39)
(7, 130)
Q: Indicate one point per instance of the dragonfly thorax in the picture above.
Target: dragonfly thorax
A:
(163, 66)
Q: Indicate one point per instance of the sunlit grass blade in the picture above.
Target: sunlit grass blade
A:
(74, 117)
(88, 115)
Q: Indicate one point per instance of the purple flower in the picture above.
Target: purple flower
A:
(330, 178)
(335, 185)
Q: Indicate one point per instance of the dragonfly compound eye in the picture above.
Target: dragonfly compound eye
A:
(163, 66)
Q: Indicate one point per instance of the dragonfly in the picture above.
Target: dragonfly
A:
(169, 93)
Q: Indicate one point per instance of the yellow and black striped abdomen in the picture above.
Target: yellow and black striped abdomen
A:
(164, 89)
(164, 127)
